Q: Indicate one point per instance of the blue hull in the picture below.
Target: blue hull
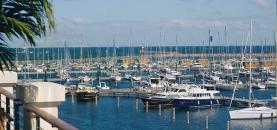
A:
(195, 102)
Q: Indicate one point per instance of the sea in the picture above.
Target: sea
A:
(105, 115)
(57, 53)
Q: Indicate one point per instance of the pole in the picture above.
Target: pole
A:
(228, 125)
(117, 101)
(173, 113)
(136, 104)
(160, 109)
(147, 105)
(188, 117)
(207, 123)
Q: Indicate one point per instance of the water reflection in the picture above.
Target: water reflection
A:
(257, 124)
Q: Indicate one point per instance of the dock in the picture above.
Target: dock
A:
(241, 102)
(135, 93)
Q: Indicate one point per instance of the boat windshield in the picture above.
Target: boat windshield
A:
(103, 84)
(174, 90)
(171, 80)
(155, 81)
(182, 90)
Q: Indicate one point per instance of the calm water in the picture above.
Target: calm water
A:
(106, 115)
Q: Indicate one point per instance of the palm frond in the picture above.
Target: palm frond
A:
(6, 57)
(23, 19)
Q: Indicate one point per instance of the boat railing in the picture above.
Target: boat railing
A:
(12, 116)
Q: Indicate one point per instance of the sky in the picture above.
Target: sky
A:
(160, 22)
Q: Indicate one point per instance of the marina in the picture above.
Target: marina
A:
(138, 65)
(148, 88)
(148, 84)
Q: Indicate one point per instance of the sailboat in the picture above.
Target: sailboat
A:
(252, 112)
(115, 75)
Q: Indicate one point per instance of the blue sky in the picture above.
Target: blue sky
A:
(98, 22)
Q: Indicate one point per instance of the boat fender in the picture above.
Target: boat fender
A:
(198, 102)
(211, 102)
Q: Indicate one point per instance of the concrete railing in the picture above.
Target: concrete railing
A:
(13, 121)
(54, 121)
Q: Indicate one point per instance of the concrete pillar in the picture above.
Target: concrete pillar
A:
(45, 95)
(7, 81)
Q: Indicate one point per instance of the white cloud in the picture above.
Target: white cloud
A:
(261, 3)
(79, 20)
(204, 24)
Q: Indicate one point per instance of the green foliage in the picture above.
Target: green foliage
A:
(23, 19)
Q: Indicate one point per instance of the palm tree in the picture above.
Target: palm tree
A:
(22, 19)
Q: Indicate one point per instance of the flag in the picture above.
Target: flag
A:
(210, 39)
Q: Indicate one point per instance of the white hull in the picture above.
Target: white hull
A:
(117, 78)
(136, 78)
(259, 86)
(253, 113)
(271, 83)
(128, 77)
(103, 86)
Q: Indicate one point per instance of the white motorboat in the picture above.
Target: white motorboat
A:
(196, 66)
(259, 85)
(164, 98)
(103, 86)
(271, 82)
(156, 83)
(136, 78)
(175, 73)
(223, 85)
(128, 76)
(116, 77)
(196, 97)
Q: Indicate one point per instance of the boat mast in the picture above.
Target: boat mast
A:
(250, 70)
(275, 41)
(176, 53)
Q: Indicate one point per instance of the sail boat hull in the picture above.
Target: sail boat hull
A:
(253, 113)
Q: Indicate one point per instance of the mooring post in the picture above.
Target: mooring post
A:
(117, 101)
(160, 109)
(96, 100)
(187, 117)
(173, 113)
(146, 106)
(72, 97)
(228, 125)
(136, 104)
(207, 123)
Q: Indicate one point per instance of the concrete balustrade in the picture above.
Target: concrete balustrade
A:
(7, 80)
(44, 95)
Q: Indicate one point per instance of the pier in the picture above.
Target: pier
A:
(133, 93)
